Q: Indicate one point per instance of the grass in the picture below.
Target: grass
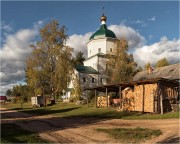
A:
(131, 135)
(12, 133)
(71, 110)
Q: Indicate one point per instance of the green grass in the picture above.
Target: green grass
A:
(11, 133)
(71, 110)
(131, 135)
(153, 116)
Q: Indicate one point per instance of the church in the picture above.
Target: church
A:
(100, 45)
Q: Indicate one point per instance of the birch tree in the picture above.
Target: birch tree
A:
(49, 68)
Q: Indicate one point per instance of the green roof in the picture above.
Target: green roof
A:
(103, 32)
(86, 69)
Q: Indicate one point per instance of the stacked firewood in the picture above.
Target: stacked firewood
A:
(101, 101)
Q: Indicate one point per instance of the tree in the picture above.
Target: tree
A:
(8, 92)
(77, 91)
(79, 59)
(147, 66)
(162, 62)
(121, 65)
(49, 68)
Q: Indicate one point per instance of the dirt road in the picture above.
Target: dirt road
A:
(82, 130)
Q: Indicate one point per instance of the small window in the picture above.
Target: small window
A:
(101, 80)
(99, 50)
(110, 49)
(84, 79)
(93, 80)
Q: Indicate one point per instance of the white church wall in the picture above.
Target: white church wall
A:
(111, 45)
(92, 62)
(95, 46)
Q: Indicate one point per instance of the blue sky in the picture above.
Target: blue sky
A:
(151, 29)
(82, 17)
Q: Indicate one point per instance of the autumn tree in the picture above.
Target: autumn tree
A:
(79, 59)
(8, 92)
(48, 69)
(121, 65)
(77, 90)
(147, 66)
(162, 62)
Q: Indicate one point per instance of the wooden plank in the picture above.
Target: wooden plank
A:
(153, 101)
(120, 96)
(96, 98)
(107, 97)
(87, 98)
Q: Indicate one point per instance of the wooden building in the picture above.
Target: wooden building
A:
(155, 91)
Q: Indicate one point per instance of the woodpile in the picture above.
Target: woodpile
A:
(141, 98)
(101, 101)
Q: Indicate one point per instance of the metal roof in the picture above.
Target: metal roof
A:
(85, 69)
(115, 87)
(103, 32)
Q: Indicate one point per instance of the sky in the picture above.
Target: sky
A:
(150, 27)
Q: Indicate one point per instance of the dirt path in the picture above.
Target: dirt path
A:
(82, 130)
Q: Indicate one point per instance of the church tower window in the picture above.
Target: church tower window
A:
(110, 49)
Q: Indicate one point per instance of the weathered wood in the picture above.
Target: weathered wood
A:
(107, 97)
(153, 95)
(96, 98)
(161, 104)
(120, 96)
(143, 97)
(87, 98)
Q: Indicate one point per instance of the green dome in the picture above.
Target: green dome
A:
(103, 32)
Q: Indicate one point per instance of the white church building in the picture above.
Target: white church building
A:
(100, 45)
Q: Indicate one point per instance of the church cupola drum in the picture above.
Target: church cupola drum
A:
(102, 41)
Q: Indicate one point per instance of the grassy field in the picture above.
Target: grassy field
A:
(131, 135)
(12, 133)
(71, 110)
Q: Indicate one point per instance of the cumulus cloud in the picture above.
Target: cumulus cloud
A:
(78, 42)
(132, 36)
(165, 48)
(13, 56)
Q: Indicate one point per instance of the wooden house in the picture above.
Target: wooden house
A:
(154, 91)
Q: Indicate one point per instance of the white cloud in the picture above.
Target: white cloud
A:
(6, 27)
(132, 36)
(78, 42)
(13, 56)
(152, 19)
(165, 48)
